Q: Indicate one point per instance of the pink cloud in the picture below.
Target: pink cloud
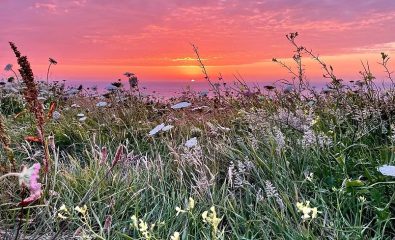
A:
(152, 33)
(47, 6)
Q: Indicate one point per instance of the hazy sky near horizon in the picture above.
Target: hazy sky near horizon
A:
(101, 39)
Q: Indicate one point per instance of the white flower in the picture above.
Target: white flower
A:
(181, 105)
(387, 170)
(72, 91)
(101, 104)
(175, 236)
(156, 129)
(82, 119)
(111, 88)
(80, 115)
(56, 115)
(191, 142)
(167, 128)
(288, 89)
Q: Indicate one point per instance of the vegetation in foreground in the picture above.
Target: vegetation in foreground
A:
(285, 162)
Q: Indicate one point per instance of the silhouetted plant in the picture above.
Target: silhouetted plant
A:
(30, 93)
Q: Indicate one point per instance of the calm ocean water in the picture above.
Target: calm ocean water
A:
(168, 88)
(161, 88)
(176, 88)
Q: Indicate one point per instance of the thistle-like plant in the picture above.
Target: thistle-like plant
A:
(9, 67)
(51, 62)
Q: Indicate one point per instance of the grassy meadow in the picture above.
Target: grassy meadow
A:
(284, 162)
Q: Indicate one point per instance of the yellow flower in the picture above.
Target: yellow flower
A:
(61, 216)
(134, 221)
(63, 212)
(204, 216)
(63, 208)
(212, 219)
(191, 204)
(307, 211)
(143, 226)
(179, 210)
(314, 213)
(176, 236)
(82, 210)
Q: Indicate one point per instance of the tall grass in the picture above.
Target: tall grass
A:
(285, 162)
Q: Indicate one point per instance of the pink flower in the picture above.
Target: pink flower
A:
(29, 178)
(103, 156)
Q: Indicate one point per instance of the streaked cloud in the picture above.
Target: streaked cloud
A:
(157, 34)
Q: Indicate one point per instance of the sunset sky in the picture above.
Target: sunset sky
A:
(98, 40)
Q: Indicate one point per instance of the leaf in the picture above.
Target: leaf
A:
(33, 139)
(341, 159)
(354, 183)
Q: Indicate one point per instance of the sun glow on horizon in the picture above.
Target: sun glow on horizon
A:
(99, 41)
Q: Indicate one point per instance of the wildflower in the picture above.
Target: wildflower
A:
(307, 211)
(103, 155)
(28, 178)
(61, 216)
(133, 81)
(111, 88)
(315, 121)
(167, 128)
(101, 104)
(143, 228)
(191, 142)
(8, 67)
(82, 119)
(179, 210)
(80, 115)
(134, 221)
(52, 61)
(181, 105)
(309, 177)
(82, 210)
(387, 170)
(128, 74)
(175, 236)
(288, 89)
(191, 203)
(63, 212)
(362, 199)
(118, 155)
(212, 219)
(56, 115)
(156, 129)
(107, 223)
(271, 192)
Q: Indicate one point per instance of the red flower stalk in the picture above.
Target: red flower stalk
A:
(118, 156)
(52, 108)
(31, 96)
